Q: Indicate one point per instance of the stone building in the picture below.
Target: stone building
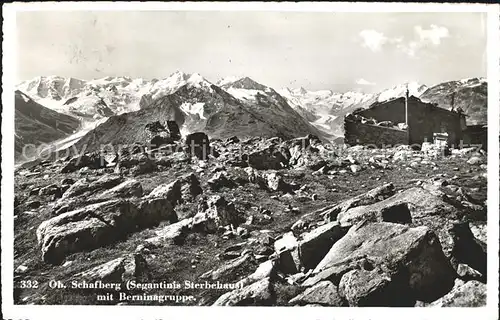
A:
(476, 135)
(404, 120)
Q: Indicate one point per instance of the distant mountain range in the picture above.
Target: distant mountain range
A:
(231, 106)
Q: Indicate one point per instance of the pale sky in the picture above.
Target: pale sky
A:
(337, 51)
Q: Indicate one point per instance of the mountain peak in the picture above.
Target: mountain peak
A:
(227, 80)
(246, 83)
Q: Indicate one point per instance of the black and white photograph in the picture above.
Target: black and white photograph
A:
(263, 157)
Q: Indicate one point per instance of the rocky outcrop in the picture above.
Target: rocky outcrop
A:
(411, 256)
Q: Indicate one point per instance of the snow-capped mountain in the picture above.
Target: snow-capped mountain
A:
(98, 98)
(199, 105)
(415, 89)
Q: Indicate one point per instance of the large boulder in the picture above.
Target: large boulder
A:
(94, 226)
(412, 256)
(416, 206)
(220, 180)
(230, 270)
(381, 211)
(85, 229)
(155, 210)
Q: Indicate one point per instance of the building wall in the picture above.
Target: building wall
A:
(475, 135)
(365, 134)
(424, 119)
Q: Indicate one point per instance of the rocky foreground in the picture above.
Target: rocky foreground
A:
(272, 222)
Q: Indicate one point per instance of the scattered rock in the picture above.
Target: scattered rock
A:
(49, 190)
(475, 161)
(219, 181)
(275, 182)
(269, 158)
(356, 168)
(219, 213)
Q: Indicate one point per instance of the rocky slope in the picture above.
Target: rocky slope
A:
(36, 125)
(258, 222)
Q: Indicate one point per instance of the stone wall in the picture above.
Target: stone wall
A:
(424, 119)
(476, 135)
(365, 134)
